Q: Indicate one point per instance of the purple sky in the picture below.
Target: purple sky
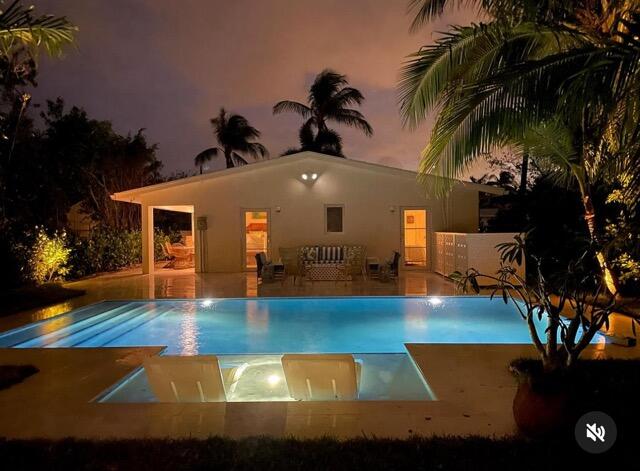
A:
(168, 66)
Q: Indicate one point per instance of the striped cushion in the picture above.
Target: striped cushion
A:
(330, 254)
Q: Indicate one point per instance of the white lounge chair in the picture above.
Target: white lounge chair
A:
(189, 378)
(328, 377)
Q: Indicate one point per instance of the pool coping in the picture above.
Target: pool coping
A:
(472, 381)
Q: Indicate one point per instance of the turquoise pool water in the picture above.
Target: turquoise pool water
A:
(276, 325)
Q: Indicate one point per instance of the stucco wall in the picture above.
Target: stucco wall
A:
(372, 201)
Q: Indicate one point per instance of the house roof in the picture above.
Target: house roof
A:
(131, 195)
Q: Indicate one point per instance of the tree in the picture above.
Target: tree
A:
(88, 161)
(328, 100)
(22, 36)
(235, 138)
(536, 66)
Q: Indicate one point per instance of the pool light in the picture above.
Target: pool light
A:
(273, 379)
(207, 303)
(435, 301)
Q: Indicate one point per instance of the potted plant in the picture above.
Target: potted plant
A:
(567, 303)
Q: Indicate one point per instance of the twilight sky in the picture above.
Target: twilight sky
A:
(168, 66)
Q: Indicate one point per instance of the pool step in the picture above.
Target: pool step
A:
(87, 334)
(105, 337)
(66, 324)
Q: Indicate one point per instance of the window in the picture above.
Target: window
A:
(333, 218)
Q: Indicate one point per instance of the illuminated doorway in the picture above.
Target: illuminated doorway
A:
(256, 236)
(414, 236)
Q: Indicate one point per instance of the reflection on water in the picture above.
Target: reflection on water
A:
(189, 330)
(51, 311)
(257, 315)
(262, 378)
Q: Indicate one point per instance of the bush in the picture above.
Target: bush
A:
(48, 257)
(108, 249)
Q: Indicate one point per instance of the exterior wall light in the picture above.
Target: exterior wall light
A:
(309, 176)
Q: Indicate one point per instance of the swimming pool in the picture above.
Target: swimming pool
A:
(276, 325)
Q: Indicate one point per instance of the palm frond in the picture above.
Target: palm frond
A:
(354, 119)
(346, 97)
(427, 10)
(19, 27)
(205, 156)
(550, 143)
(490, 112)
(257, 150)
(238, 159)
(287, 106)
(470, 54)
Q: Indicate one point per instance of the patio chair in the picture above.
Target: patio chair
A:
(265, 269)
(394, 267)
(356, 257)
(189, 378)
(290, 262)
(330, 377)
(181, 256)
(390, 271)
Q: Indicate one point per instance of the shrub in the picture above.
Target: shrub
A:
(48, 257)
(108, 249)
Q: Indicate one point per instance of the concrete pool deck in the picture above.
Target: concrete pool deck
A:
(55, 403)
(471, 382)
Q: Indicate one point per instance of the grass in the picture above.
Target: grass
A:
(438, 453)
(14, 374)
(30, 297)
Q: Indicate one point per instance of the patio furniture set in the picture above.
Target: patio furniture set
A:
(326, 263)
(179, 255)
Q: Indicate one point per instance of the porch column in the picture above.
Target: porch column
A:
(147, 239)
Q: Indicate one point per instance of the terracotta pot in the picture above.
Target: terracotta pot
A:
(538, 413)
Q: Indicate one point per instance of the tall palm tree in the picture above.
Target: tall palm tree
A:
(328, 100)
(534, 68)
(235, 138)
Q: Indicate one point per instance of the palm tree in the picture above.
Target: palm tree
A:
(536, 68)
(235, 138)
(328, 100)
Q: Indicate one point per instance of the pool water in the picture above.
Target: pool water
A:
(276, 325)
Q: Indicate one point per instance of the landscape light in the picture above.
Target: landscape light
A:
(314, 176)
(305, 176)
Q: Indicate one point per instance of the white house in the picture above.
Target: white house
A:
(304, 199)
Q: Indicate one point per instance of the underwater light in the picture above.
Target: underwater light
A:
(273, 380)
(435, 301)
(207, 302)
